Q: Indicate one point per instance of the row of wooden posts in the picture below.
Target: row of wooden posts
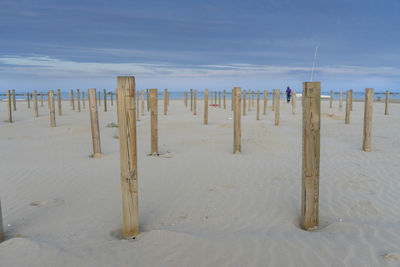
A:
(128, 114)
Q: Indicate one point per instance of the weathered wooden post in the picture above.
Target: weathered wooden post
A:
(206, 107)
(41, 99)
(348, 104)
(224, 99)
(195, 102)
(94, 123)
(294, 102)
(9, 107)
(258, 105)
(340, 100)
(35, 104)
(52, 109)
(142, 102)
(137, 105)
(277, 103)
(165, 102)
(387, 103)
(237, 132)
(154, 120)
(252, 99)
(351, 100)
(105, 99)
(128, 155)
(1, 225)
(219, 99)
(244, 102)
(59, 102)
(83, 99)
(191, 99)
(369, 101)
(265, 102)
(72, 99)
(273, 99)
(311, 155)
(13, 100)
(185, 98)
(148, 100)
(78, 99)
(28, 100)
(331, 99)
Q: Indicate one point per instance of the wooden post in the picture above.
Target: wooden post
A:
(277, 103)
(265, 102)
(142, 102)
(185, 98)
(105, 100)
(252, 99)
(165, 102)
(72, 99)
(206, 107)
(224, 99)
(28, 100)
(83, 99)
(128, 155)
(249, 102)
(348, 101)
(369, 101)
(35, 104)
(78, 99)
(41, 99)
(154, 121)
(294, 102)
(195, 102)
(258, 105)
(387, 103)
(137, 105)
(148, 100)
(9, 109)
(191, 99)
(331, 99)
(1, 225)
(13, 101)
(340, 100)
(94, 123)
(59, 102)
(215, 97)
(311, 155)
(237, 147)
(52, 109)
(351, 100)
(244, 102)
(219, 99)
(273, 99)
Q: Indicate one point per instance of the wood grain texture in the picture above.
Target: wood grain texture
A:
(128, 155)
(368, 107)
(311, 155)
(237, 133)
(94, 123)
(154, 120)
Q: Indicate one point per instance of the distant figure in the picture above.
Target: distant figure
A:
(288, 94)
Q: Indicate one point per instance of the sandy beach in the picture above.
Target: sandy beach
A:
(199, 204)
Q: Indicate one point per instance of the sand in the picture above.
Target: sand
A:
(200, 205)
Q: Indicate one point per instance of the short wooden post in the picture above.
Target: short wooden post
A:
(206, 107)
(224, 99)
(28, 100)
(35, 104)
(165, 102)
(41, 99)
(368, 106)
(9, 107)
(273, 99)
(1, 225)
(94, 123)
(351, 100)
(137, 105)
(52, 109)
(265, 102)
(154, 120)
(14, 101)
(78, 99)
(128, 155)
(340, 100)
(258, 105)
(237, 147)
(294, 102)
(59, 102)
(311, 155)
(249, 102)
(331, 99)
(387, 103)
(277, 103)
(195, 102)
(219, 99)
(105, 99)
(142, 102)
(191, 99)
(72, 99)
(348, 104)
(244, 102)
(83, 100)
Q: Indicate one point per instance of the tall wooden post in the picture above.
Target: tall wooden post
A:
(244, 102)
(14, 101)
(219, 99)
(148, 99)
(224, 99)
(41, 99)
(351, 100)
(206, 107)
(331, 99)
(83, 99)
(277, 103)
(94, 123)
(369, 101)
(9, 107)
(165, 102)
(72, 99)
(128, 155)
(28, 100)
(35, 104)
(1, 225)
(52, 109)
(237, 132)
(273, 99)
(195, 102)
(191, 99)
(294, 102)
(348, 104)
(185, 98)
(340, 100)
(105, 99)
(258, 104)
(142, 102)
(265, 102)
(78, 99)
(311, 155)
(387, 103)
(59, 102)
(154, 121)
(137, 105)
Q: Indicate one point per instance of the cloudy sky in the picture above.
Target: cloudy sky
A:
(47, 44)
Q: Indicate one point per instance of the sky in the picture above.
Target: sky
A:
(219, 44)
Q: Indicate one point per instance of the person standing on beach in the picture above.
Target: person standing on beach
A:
(288, 94)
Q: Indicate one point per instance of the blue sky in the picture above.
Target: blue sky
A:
(47, 44)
